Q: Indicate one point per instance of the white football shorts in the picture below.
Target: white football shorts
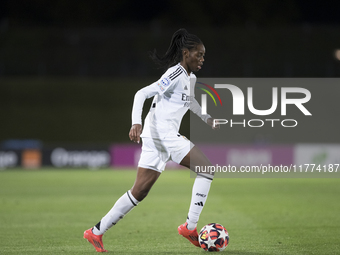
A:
(157, 152)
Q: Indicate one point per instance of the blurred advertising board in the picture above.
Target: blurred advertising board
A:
(239, 155)
(127, 156)
(9, 158)
(31, 158)
(76, 157)
(59, 157)
(318, 154)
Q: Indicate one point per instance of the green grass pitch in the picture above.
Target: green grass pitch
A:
(47, 211)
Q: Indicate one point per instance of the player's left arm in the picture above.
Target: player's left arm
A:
(196, 108)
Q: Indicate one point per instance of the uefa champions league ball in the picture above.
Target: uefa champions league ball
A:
(213, 237)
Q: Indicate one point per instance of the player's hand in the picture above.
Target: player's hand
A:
(210, 122)
(135, 132)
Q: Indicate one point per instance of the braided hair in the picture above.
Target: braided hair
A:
(180, 40)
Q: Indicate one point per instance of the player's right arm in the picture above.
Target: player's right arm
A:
(135, 132)
(137, 109)
(159, 87)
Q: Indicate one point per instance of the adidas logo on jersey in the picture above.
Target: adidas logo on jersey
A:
(186, 87)
(199, 203)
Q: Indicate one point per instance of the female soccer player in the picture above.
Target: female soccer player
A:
(161, 140)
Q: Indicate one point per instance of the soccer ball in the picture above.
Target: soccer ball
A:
(213, 237)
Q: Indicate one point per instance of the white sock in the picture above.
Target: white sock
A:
(199, 195)
(123, 205)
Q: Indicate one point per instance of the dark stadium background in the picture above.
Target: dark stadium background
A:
(69, 69)
(68, 74)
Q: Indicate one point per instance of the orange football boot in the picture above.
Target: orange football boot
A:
(95, 240)
(191, 235)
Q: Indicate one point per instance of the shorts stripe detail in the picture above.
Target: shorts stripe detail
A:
(130, 198)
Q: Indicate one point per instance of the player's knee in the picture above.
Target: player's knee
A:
(140, 194)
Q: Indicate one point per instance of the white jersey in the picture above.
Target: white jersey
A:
(173, 96)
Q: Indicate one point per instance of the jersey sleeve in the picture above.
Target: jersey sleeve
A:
(168, 79)
(165, 83)
(138, 102)
(196, 108)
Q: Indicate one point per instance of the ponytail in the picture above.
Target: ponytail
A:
(181, 39)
